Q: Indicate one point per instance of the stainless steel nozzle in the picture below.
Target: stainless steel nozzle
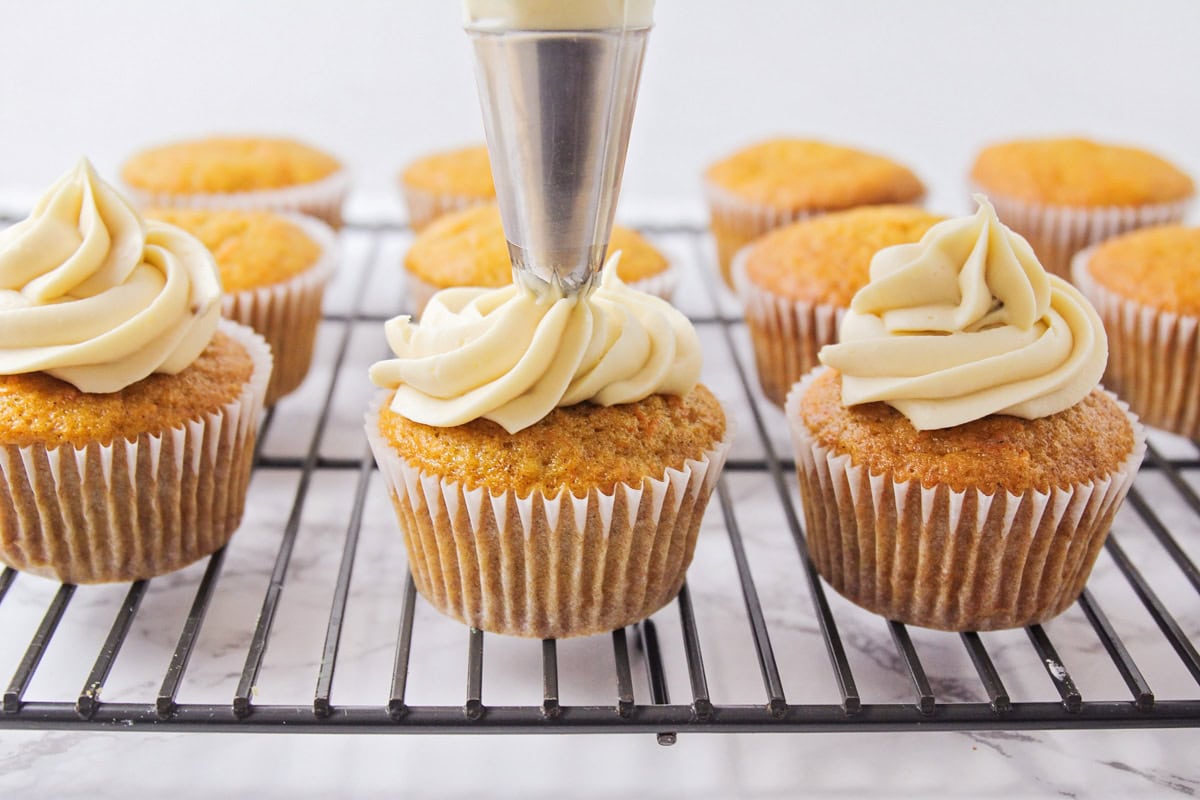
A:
(557, 108)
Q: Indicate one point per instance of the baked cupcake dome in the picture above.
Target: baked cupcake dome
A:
(446, 181)
(580, 524)
(780, 181)
(468, 248)
(241, 172)
(1146, 286)
(274, 268)
(992, 524)
(1064, 194)
(796, 283)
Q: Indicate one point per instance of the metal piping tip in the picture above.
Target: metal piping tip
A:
(557, 109)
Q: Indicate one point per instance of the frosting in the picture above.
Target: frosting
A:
(511, 355)
(94, 296)
(558, 15)
(967, 323)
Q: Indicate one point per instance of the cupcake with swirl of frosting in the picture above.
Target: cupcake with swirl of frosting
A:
(128, 409)
(549, 457)
(959, 465)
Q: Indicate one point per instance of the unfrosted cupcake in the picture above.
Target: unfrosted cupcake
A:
(128, 409)
(780, 181)
(468, 248)
(1146, 286)
(444, 182)
(797, 282)
(549, 458)
(958, 465)
(274, 268)
(243, 172)
(1065, 194)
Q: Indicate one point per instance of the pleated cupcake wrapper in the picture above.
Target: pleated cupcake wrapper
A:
(322, 199)
(548, 567)
(945, 559)
(420, 291)
(133, 509)
(1152, 355)
(787, 334)
(1057, 233)
(737, 222)
(425, 206)
(288, 313)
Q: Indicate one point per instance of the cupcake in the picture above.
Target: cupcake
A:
(448, 181)
(780, 181)
(1146, 286)
(128, 408)
(959, 467)
(242, 172)
(274, 268)
(1065, 194)
(468, 248)
(549, 457)
(797, 282)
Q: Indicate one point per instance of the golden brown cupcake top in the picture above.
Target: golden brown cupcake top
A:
(465, 172)
(1084, 442)
(224, 164)
(468, 248)
(38, 408)
(827, 259)
(798, 174)
(1078, 172)
(252, 248)
(1157, 267)
(579, 447)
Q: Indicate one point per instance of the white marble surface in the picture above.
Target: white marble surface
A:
(998, 764)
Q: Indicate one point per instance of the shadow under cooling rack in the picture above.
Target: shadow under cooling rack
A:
(756, 643)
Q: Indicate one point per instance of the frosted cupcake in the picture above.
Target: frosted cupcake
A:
(959, 466)
(781, 181)
(468, 248)
(1146, 286)
(128, 409)
(797, 282)
(1066, 194)
(549, 457)
(445, 182)
(274, 268)
(243, 172)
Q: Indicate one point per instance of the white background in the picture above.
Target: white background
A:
(378, 82)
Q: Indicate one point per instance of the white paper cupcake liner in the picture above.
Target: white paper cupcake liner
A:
(419, 291)
(737, 222)
(787, 334)
(946, 559)
(133, 509)
(322, 199)
(1152, 355)
(287, 314)
(1057, 233)
(425, 206)
(548, 567)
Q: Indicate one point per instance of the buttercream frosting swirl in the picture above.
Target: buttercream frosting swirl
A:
(511, 355)
(94, 296)
(967, 323)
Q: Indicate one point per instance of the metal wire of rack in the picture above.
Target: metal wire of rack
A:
(936, 700)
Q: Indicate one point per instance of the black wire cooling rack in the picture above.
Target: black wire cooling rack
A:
(1148, 573)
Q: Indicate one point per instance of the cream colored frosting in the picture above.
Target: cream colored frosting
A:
(512, 355)
(94, 296)
(967, 323)
(543, 15)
